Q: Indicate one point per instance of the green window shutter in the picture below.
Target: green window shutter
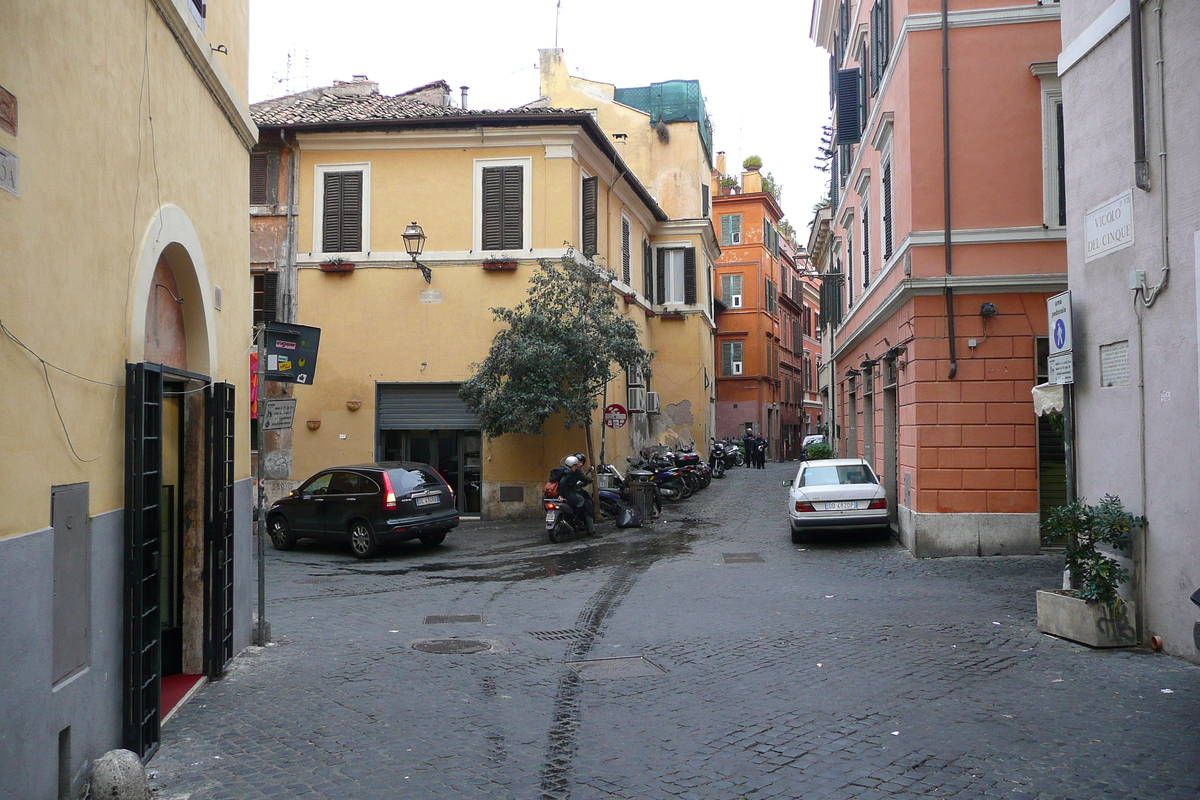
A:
(689, 275)
(726, 289)
(726, 230)
(503, 193)
(626, 263)
(849, 126)
(661, 278)
(590, 246)
(342, 213)
(647, 270)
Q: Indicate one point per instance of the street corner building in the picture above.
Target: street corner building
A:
(125, 559)
(343, 172)
(943, 238)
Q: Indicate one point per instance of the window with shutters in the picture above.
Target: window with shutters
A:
(647, 271)
(705, 203)
(731, 229)
(850, 263)
(266, 297)
(626, 254)
(849, 107)
(590, 213)
(885, 189)
(343, 208)
(771, 293)
(731, 359)
(502, 202)
(675, 281)
(881, 41)
(866, 239)
(1054, 184)
(731, 291)
(260, 184)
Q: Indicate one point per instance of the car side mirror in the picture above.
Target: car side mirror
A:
(787, 483)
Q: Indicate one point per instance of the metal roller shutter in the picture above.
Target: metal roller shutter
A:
(421, 406)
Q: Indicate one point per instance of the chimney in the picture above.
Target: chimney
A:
(751, 181)
(721, 162)
(464, 96)
(360, 86)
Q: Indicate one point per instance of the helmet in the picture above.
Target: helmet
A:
(571, 461)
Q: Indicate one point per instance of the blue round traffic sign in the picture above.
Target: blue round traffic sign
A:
(1060, 333)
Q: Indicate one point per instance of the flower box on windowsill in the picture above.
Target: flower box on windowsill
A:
(498, 264)
(672, 315)
(337, 265)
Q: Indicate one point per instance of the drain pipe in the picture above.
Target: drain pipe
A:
(946, 182)
(1141, 167)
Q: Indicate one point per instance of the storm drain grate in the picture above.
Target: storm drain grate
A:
(604, 668)
(437, 619)
(742, 558)
(451, 647)
(318, 580)
(570, 635)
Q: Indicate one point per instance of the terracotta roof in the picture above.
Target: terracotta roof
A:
(360, 101)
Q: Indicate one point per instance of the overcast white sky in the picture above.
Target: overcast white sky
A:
(765, 83)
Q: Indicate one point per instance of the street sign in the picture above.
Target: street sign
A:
(279, 415)
(615, 416)
(1061, 368)
(1058, 311)
(292, 352)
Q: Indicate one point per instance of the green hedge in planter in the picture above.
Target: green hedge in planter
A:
(1095, 577)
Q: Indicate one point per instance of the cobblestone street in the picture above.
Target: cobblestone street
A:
(705, 656)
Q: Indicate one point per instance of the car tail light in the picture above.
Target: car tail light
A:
(389, 496)
(803, 506)
(880, 503)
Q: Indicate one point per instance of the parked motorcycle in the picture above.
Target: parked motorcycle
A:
(667, 477)
(716, 458)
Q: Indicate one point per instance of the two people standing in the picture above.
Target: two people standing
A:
(756, 450)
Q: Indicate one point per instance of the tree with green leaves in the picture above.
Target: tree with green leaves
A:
(561, 348)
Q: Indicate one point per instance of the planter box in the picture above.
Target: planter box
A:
(495, 266)
(1092, 624)
(344, 267)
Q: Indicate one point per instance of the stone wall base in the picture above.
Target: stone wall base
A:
(941, 535)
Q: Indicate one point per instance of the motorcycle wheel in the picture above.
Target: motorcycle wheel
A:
(739, 460)
(555, 531)
(719, 469)
(705, 478)
(671, 491)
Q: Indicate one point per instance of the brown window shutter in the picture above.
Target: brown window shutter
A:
(502, 212)
(492, 207)
(590, 246)
(342, 214)
(661, 278)
(270, 296)
(258, 179)
(647, 270)
(689, 275)
(626, 255)
(513, 196)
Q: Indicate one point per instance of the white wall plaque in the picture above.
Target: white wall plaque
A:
(431, 296)
(1114, 364)
(1108, 227)
(9, 172)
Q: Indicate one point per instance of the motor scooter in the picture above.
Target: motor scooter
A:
(561, 518)
(667, 477)
(716, 458)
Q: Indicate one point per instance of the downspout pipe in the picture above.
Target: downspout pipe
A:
(1141, 167)
(948, 245)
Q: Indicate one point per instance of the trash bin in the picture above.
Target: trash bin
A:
(641, 491)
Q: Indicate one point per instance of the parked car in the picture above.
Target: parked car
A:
(836, 494)
(812, 438)
(367, 505)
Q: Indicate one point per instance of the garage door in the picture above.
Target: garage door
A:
(419, 406)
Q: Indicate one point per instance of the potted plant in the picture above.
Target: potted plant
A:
(337, 264)
(728, 186)
(752, 164)
(500, 262)
(1092, 611)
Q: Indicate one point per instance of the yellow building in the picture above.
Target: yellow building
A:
(124, 531)
(493, 192)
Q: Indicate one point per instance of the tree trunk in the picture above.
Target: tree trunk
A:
(591, 454)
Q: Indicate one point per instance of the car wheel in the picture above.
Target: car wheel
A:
(362, 540)
(281, 533)
(797, 536)
(433, 539)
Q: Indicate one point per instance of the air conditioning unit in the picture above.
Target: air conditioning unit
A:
(737, 367)
(735, 301)
(634, 377)
(652, 404)
(637, 400)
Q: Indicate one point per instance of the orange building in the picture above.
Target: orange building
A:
(946, 236)
(763, 344)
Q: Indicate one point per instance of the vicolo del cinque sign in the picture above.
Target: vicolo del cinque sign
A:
(1109, 226)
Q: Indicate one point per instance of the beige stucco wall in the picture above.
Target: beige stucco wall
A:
(103, 190)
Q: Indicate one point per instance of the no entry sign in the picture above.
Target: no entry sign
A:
(615, 416)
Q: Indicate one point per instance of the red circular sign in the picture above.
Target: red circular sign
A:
(615, 416)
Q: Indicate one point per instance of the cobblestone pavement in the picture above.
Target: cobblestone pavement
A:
(719, 660)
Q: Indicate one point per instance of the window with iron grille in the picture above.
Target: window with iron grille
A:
(626, 256)
(342, 212)
(503, 201)
(590, 188)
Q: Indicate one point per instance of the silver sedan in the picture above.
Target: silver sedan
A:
(836, 493)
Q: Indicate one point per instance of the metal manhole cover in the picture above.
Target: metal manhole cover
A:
(436, 619)
(605, 668)
(452, 647)
(317, 580)
(570, 635)
(742, 558)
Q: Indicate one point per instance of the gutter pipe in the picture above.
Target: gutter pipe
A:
(948, 245)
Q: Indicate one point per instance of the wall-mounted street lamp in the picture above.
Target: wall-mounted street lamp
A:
(414, 243)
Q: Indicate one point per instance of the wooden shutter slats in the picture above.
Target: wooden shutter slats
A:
(647, 270)
(341, 223)
(258, 179)
(503, 212)
(590, 244)
(513, 212)
(689, 275)
(661, 276)
(626, 255)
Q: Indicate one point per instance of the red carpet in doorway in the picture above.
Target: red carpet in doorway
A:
(174, 687)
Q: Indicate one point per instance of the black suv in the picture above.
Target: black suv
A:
(366, 505)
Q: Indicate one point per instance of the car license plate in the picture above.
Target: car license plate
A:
(550, 517)
(844, 505)
(430, 500)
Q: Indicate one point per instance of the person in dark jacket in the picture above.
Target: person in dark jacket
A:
(760, 452)
(571, 488)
